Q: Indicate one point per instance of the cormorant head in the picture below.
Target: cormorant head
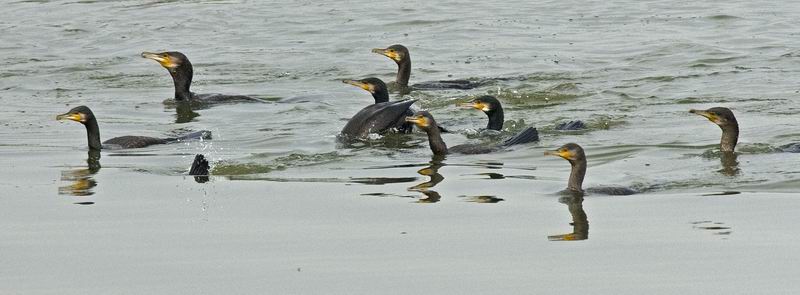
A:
(396, 52)
(81, 114)
(369, 84)
(484, 103)
(423, 120)
(170, 60)
(719, 115)
(571, 152)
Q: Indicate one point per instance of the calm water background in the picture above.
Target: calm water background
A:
(290, 211)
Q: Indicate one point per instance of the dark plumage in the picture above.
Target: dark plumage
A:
(577, 158)
(493, 109)
(181, 71)
(427, 123)
(84, 115)
(399, 54)
(377, 118)
(726, 121)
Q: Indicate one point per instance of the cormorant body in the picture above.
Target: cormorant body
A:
(427, 123)
(400, 55)
(84, 115)
(377, 118)
(577, 158)
(493, 109)
(181, 71)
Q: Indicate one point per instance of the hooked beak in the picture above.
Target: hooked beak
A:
(711, 117)
(474, 105)
(562, 153)
(162, 59)
(385, 52)
(77, 117)
(362, 85)
(420, 121)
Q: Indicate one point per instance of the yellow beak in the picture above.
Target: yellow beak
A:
(70, 116)
(164, 60)
(390, 54)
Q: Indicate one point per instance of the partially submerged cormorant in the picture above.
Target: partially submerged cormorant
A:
(84, 115)
(425, 121)
(573, 153)
(493, 109)
(726, 121)
(181, 71)
(377, 118)
(399, 54)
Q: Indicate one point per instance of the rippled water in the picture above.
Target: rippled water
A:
(287, 199)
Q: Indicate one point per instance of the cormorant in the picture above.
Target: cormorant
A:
(399, 54)
(84, 115)
(425, 121)
(377, 118)
(573, 153)
(181, 71)
(726, 121)
(380, 93)
(492, 107)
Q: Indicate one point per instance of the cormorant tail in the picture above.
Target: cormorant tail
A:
(203, 134)
(530, 134)
(199, 169)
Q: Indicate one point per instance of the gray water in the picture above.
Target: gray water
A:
(289, 210)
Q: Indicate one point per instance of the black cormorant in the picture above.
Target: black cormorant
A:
(181, 71)
(377, 118)
(84, 115)
(493, 109)
(726, 121)
(425, 121)
(399, 54)
(574, 154)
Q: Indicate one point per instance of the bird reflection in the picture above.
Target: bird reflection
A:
(730, 164)
(82, 179)
(431, 171)
(580, 224)
(184, 113)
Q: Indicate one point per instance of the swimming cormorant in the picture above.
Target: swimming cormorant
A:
(574, 154)
(399, 54)
(377, 118)
(181, 71)
(84, 115)
(493, 109)
(425, 121)
(380, 93)
(726, 121)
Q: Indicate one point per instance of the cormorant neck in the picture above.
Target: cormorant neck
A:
(730, 136)
(182, 77)
(381, 95)
(438, 147)
(93, 134)
(495, 119)
(577, 174)
(403, 71)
